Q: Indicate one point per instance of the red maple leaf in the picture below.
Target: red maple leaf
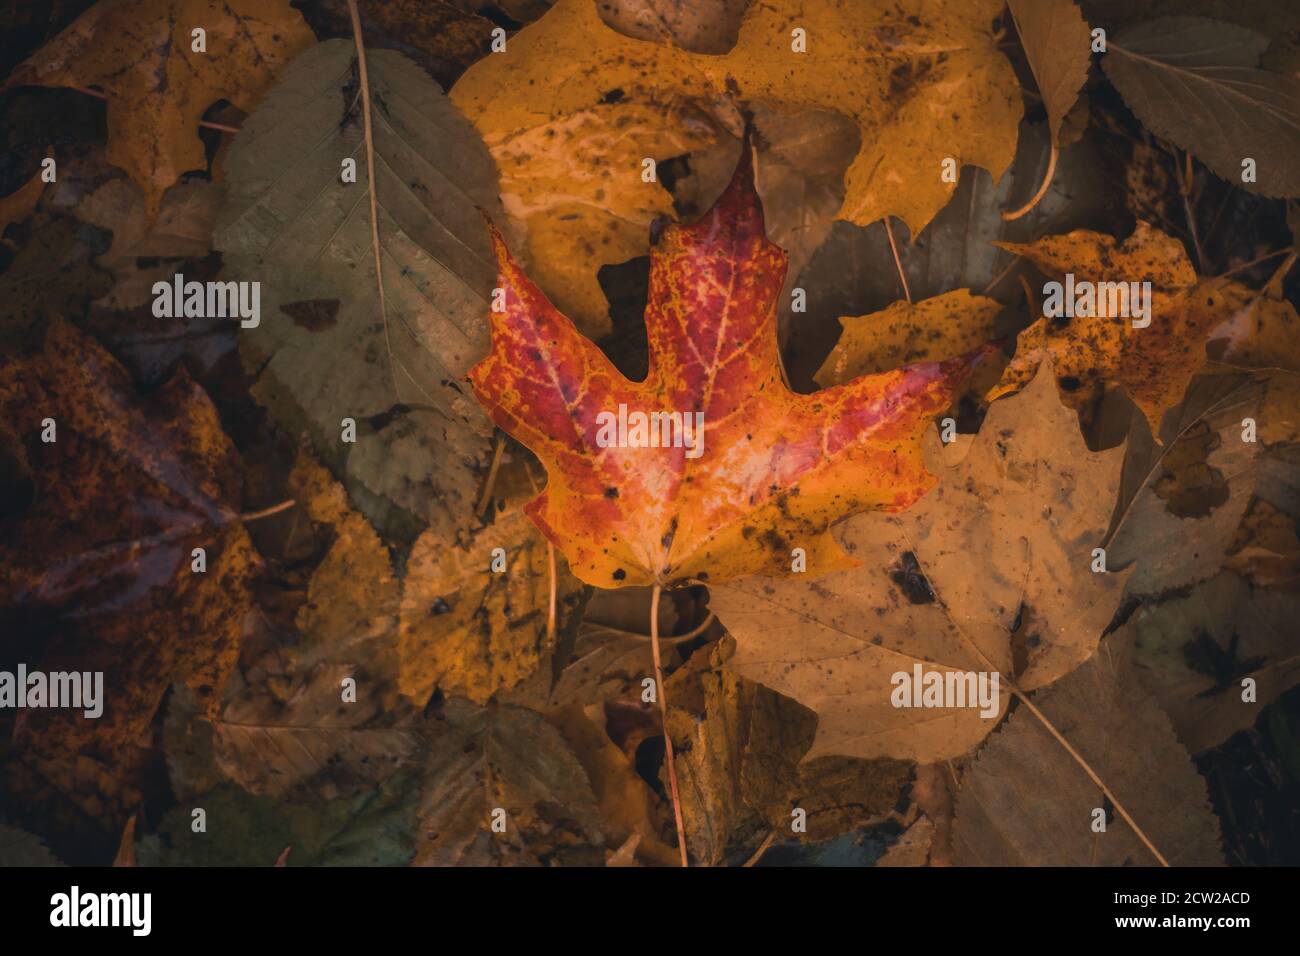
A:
(775, 469)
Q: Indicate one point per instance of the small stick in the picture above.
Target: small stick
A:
(1254, 262)
(550, 549)
(497, 448)
(1042, 189)
(550, 614)
(898, 264)
(364, 77)
(267, 512)
(103, 96)
(762, 848)
(660, 693)
(1185, 190)
(689, 635)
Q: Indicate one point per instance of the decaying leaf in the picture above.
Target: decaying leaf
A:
(768, 471)
(740, 771)
(322, 353)
(1026, 802)
(701, 26)
(441, 36)
(472, 631)
(141, 54)
(508, 767)
(53, 274)
(375, 828)
(932, 330)
(21, 203)
(98, 573)
(1032, 502)
(1100, 343)
(893, 72)
(1198, 83)
(1181, 503)
(1193, 651)
(1058, 46)
(629, 810)
(180, 229)
(1261, 329)
(19, 848)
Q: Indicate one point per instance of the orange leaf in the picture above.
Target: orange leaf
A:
(771, 471)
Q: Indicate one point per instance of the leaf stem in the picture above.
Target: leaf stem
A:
(677, 639)
(898, 264)
(1042, 188)
(364, 78)
(498, 447)
(267, 512)
(103, 96)
(662, 696)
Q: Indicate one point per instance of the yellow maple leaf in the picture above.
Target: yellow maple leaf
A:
(142, 55)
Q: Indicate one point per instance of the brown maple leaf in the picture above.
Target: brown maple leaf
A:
(140, 54)
(767, 471)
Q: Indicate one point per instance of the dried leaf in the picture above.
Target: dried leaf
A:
(97, 570)
(140, 53)
(891, 71)
(1032, 502)
(470, 631)
(771, 469)
(511, 760)
(1057, 44)
(1154, 364)
(19, 848)
(1026, 802)
(321, 352)
(1197, 83)
(1181, 503)
(932, 330)
(1192, 652)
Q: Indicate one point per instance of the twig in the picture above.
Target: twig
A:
(498, 447)
(1002, 274)
(689, 635)
(662, 696)
(550, 556)
(126, 848)
(1253, 262)
(364, 77)
(762, 848)
(898, 264)
(267, 512)
(1185, 191)
(550, 613)
(1042, 189)
(103, 96)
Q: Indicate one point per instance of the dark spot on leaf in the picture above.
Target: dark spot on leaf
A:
(314, 315)
(911, 580)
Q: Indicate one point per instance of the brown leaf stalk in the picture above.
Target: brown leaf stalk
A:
(662, 697)
(364, 78)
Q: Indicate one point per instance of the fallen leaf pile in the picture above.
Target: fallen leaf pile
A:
(393, 575)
